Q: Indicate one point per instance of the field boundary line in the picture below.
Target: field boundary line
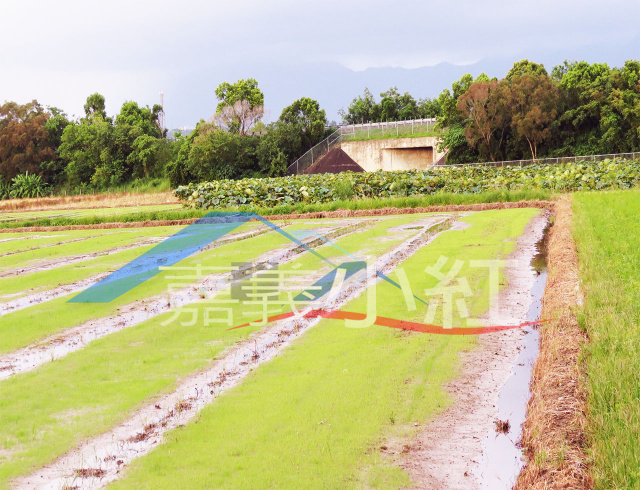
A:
(554, 433)
(39, 297)
(340, 213)
(111, 451)
(59, 345)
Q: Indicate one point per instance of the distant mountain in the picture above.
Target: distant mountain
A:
(189, 95)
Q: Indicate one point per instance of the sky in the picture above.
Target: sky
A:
(60, 52)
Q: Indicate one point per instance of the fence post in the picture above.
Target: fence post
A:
(412, 126)
(397, 134)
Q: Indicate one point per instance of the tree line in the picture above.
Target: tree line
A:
(41, 149)
(578, 109)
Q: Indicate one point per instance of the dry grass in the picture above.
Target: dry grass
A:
(554, 434)
(89, 201)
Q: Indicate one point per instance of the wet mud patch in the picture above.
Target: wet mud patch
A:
(448, 452)
(145, 429)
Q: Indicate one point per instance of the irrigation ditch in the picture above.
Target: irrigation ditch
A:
(474, 454)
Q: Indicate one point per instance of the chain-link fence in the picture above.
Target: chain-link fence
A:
(315, 153)
(548, 161)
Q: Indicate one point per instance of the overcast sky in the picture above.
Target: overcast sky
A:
(61, 51)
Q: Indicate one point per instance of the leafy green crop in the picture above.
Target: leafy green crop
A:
(320, 188)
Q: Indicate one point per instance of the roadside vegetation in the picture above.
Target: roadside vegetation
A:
(165, 214)
(607, 232)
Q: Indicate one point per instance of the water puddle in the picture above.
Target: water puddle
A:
(502, 458)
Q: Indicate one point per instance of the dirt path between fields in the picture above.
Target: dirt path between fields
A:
(80, 239)
(448, 452)
(101, 460)
(76, 338)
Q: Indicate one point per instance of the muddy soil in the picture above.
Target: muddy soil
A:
(59, 345)
(108, 454)
(37, 297)
(449, 451)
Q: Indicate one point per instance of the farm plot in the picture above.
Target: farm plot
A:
(269, 395)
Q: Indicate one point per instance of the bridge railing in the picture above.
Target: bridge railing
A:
(390, 129)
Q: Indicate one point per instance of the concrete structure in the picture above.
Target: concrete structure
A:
(394, 153)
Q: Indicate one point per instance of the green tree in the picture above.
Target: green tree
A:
(228, 94)
(583, 91)
(216, 154)
(525, 67)
(362, 109)
(95, 105)
(305, 115)
(281, 144)
(87, 149)
(428, 108)
(241, 105)
(620, 119)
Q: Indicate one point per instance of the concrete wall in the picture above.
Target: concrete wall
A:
(393, 153)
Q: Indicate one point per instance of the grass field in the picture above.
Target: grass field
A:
(315, 413)
(320, 412)
(607, 231)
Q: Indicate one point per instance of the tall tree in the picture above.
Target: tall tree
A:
(484, 108)
(238, 118)
(24, 139)
(620, 121)
(236, 115)
(362, 109)
(95, 105)
(306, 115)
(525, 67)
(533, 101)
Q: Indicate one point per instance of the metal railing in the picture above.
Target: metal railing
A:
(315, 153)
(548, 161)
(388, 129)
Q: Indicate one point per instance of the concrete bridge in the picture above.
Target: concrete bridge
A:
(394, 153)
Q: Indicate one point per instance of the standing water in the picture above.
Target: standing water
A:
(502, 458)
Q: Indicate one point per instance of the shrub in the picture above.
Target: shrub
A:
(27, 185)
